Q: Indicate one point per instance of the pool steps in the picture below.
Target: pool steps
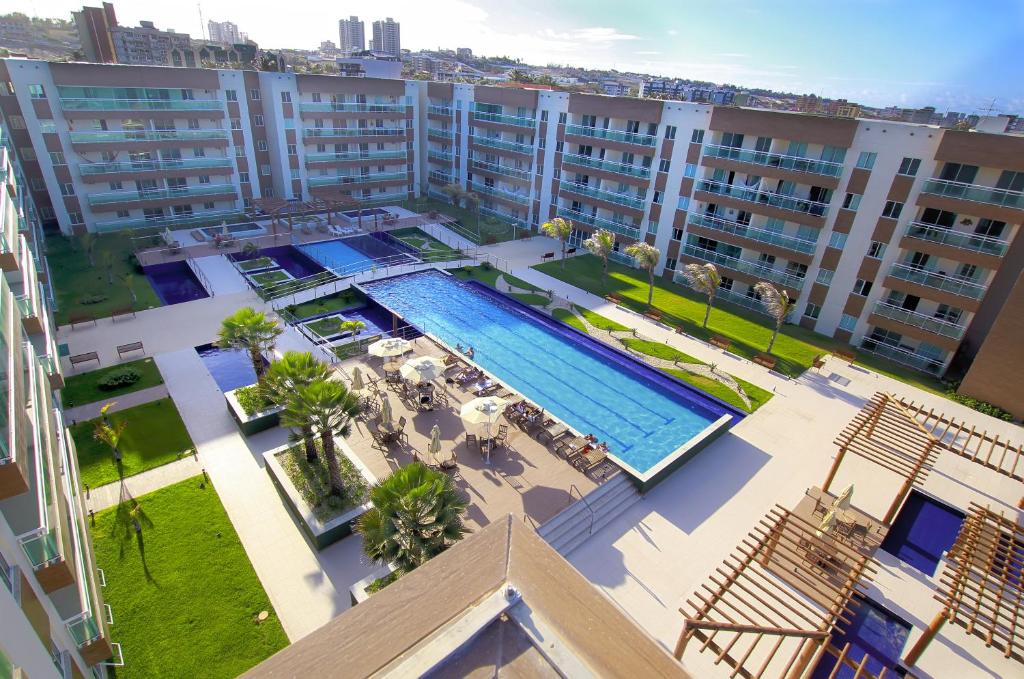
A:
(571, 527)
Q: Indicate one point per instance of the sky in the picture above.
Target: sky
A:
(953, 55)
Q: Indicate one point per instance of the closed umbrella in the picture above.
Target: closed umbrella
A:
(483, 411)
(422, 369)
(357, 379)
(827, 523)
(843, 500)
(385, 409)
(435, 442)
(388, 347)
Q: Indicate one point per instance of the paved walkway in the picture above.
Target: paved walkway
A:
(140, 484)
(136, 398)
(221, 275)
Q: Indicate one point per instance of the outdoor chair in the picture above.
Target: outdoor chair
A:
(472, 442)
(502, 438)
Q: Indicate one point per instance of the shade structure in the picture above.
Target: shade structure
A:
(385, 410)
(390, 346)
(422, 369)
(435, 442)
(485, 411)
(357, 379)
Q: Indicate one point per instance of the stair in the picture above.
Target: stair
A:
(571, 527)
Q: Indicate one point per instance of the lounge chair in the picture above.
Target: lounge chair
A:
(571, 448)
(553, 431)
(590, 460)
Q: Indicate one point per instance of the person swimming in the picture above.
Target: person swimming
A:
(470, 353)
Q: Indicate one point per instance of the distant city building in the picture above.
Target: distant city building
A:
(841, 108)
(387, 37)
(370, 65)
(224, 31)
(923, 116)
(615, 88)
(464, 53)
(665, 88)
(351, 36)
(809, 103)
(94, 24)
(328, 46)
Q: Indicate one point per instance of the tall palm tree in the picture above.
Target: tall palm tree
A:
(416, 515)
(559, 228)
(705, 279)
(328, 407)
(778, 305)
(109, 432)
(284, 377)
(646, 257)
(251, 330)
(601, 244)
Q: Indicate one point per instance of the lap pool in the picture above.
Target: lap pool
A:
(349, 256)
(643, 415)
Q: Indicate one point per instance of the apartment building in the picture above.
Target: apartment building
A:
(351, 35)
(54, 619)
(387, 37)
(224, 31)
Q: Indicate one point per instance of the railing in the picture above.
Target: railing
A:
(129, 196)
(933, 324)
(115, 104)
(507, 218)
(946, 283)
(198, 271)
(755, 195)
(154, 165)
(440, 132)
(964, 241)
(356, 155)
(521, 198)
(440, 176)
(439, 110)
(635, 202)
(185, 221)
(901, 356)
(593, 220)
(502, 170)
(974, 193)
(355, 107)
(607, 165)
(353, 132)
(495, 143)
(753, 268)
(439, 156)
(753, 233)
(779, 160)
(356, 179)
(41, 548)
(613, 135)
(518, 121)
(109, 136)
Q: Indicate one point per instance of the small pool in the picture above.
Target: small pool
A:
(174, 283)
(367, 212)
(873, 630)
(241, 229)
(349, 256)
(377, 320)
(923, 530)
(230, 368)
(291, 259)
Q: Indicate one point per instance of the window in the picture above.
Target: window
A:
(824, 276)
(265, 170)
(684, 203)
(657, 197)
(208, 205)
(17, 122)
(562, 117)
(247, 202)
(47, 127)
(697, 137)
(75, 217)
(541, 143)
(236, 124)
(559, 146)
(28, 153)
(57, 158)
(295, 173)
(67, 189)
(199, 152)
(261, 145)
(670, 263)
(677, 234)
(115, 186)
(231, 95)
(670, 133)
(286, 97)
(862, 288)
(240, 151)
(664, 164)
(848, 322)
(122, 214)
(837, 240)
(543, 116)
(909, 166)
(243, 177)
(292, 150)
(254, 94)
(812, 310)
(690, 170)
(876, 250)
(257, 120)
(866, 160)
(37, 92)
(204, 179)
(852, 201)
(37, 184)
(46, 212)
(652, 226)
(892, 209)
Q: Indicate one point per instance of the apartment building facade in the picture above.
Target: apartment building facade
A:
(387, 37)
(351, 35)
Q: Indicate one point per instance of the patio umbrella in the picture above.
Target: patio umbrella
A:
(422, 369)
(435, 442)
(357, 379)
(486, 411)
(842, 502)
(385, 409)
(827, 523)
(391, 346)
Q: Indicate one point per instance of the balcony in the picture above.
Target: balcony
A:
(349, 107)
(902, 356)
(10, 221)
(340, 180)
(753, 195)
(517, 121)
(439, 110)
(142, 195)
(938, 281)
(112, 104)
(355, 155)
(439, 156)
(442, 177)
(441, 133)
(779, 160)
(964, 241)
(607, 165)
(116, 136)
(183, 221)
(628, 230)
(974, 193)
(319, 132)
(932, 324)
(505, 170)
(90, 169)
(521, 198)
(757, 269)
(630, 201)
(501, 216)
(612, 135)
(496, 143)
(41, 549)
(753, 233)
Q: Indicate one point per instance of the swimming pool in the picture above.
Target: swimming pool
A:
(175, 282)
(349, 256)
(241, 229)
(230, 368)
(873, 630)
(367, 212)
(922, 531)
(643, 415)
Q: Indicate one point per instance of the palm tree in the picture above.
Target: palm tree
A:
(109, 432)
(472, 203)
(453, 191)
(559, 228)
(778, 304)
(705, 279)
(416, 515)
(284, 377)
(646, 257)
(601, 244)
(351, 327)
(251, 330)
(129, 282)
(328, 407)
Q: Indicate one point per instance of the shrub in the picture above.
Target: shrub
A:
(252, 399)
(485, 266)
(382, 582)
(92, 299)
(975, 404)
(119, 379)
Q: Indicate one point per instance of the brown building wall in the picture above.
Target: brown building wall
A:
(781, 125)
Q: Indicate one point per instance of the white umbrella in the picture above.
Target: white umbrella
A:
(385, 409)
(827, 522)
(435, 442)
(486, 411)
(843, 500)
(357, 379)
(422, 369)
(391, 346)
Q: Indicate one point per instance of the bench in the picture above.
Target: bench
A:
(123, 311)
(720, 342)
(570, 251)
(84, 358)
(547, 255)
(845, 355)
(123, 349)
(766, 360)
(81, 318)
(613, 298)
(653, 314)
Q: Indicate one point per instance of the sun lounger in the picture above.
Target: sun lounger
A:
(552, 432)
(591, 460)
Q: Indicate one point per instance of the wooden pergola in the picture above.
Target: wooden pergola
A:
(981, 587)
(770, 608)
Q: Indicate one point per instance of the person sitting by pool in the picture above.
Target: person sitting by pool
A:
(458, 348)
(470, 353)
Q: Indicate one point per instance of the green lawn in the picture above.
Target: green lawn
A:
(270, 278)
(84, 387)
(184, 595)
(658, 350)
(425, 243)
(599, 321)
(338, 301)
(488, 275)
(258, 263)
(84, 288)
(155, 435)
(490, 230)
(569, 318)
(533, 299)
(326, 327)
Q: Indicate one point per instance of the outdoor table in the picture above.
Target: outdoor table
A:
(388, 429)
(392, 366)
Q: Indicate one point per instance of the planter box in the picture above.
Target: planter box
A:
(319, 533)
(357, 593)
(251, 424)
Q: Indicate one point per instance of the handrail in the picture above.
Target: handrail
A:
(191, 263)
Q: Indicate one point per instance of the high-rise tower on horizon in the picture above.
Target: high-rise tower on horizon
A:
(387, 37)
(351, 35)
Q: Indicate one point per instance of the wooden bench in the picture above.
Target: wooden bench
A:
(767, 360)
(123, 349)
(122, 312)
(720, 342)
(845, 355)
(819, 362)
(84, 358)
(613, 298)
(653, 314)
(570, 251)
(81, 318)
(547, 255)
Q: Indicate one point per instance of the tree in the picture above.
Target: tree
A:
(559, 228)
(778, 305)
(328, 407)
(601, 245)
(472, 203)
(646, 257)
(88, 242)
(109, 432)
(251, 330)
(417, 514)
(129, 282)
(284, 377)
(705, 279)
(454, 193)
(351, 327)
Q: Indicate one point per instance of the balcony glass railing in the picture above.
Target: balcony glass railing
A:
(90, 169)
(440, 132)
(439, 156)
(901, 355)
(522, 198)
(494, 143)
(502, 170)
(753, 233)
(623, 199)
(340, 180)
(108, 104)
(518, 121)
(42, 549)
(779, 160)
(753, 268)
(109, 136)
(355, 155)
(442, 177)
(353, 132)
(974, 193)
(507, 218)
(84, 629)
(607, 165)
(612, 135)
(353, 107)
(939, 281)
(627, 230)
(938, 326)
(207, 218)
(760, 197)
(439, 110)
(108, 197)
(956, 239)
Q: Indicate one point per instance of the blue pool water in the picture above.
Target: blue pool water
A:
(873, 630)
(230, 368)
(174, 283)
(288, 258)
(923, 530)
(348, 256)
(643, 415)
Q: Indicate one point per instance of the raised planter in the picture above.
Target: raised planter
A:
(319, 533)
(251, 424)
(357, 593)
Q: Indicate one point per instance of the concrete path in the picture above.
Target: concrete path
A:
(91, 411)
(140, 484)
(221, 275)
